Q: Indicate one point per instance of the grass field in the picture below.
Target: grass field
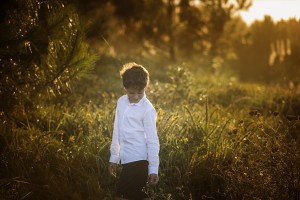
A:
(220, 139)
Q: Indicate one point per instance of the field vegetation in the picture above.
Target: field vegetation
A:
(220, 139)
(227, 97)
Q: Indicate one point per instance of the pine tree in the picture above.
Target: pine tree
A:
(42, 49)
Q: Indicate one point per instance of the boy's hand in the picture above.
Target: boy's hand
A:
(153, 179)
(112, 169)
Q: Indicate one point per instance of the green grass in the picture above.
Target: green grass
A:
(220, 139)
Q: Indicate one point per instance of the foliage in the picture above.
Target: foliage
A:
(62, 155)
(42, 50)
(219, 139)
(268, 52)
(176, 31)
(205, 34)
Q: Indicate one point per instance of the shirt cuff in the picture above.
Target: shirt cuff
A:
(114, 159)
(153, 170)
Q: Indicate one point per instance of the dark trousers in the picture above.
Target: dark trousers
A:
(133, 180)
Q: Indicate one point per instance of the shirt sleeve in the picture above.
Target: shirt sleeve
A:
(152, 140)
(115, 146)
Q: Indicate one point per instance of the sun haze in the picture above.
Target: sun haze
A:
(277, 9)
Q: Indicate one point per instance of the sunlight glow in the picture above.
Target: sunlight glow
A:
(277, 9)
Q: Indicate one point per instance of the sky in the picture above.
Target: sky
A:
(277, 9)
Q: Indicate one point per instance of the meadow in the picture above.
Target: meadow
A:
(220, 139)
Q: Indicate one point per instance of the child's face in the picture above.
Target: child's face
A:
(135, 95)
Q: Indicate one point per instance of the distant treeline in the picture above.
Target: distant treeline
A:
(206, 35)
(46, 44)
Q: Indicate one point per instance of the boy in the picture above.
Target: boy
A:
(134, 142)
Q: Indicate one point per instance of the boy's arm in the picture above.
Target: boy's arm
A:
(152, 141)
(115, 146)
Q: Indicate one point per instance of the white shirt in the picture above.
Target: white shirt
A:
(134, 133)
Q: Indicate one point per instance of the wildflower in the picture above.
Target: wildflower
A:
(72, 138)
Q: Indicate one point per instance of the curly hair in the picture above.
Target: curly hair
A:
(134, 75)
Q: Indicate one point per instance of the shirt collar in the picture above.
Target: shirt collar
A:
(138, 103)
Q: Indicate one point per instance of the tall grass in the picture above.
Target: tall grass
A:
(219, 140)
